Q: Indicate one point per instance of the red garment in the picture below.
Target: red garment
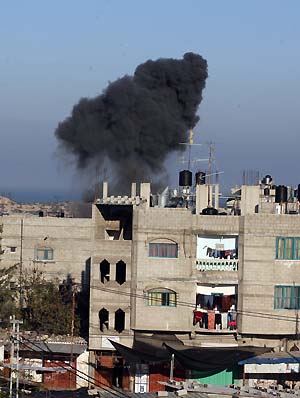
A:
(197, 317)
(226, 303)
(211, 320)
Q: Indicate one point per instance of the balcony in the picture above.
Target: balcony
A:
(216, 264)
(211, 321)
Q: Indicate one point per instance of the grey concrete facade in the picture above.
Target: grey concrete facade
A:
(122, 230)
(258, 272)
(70, 240)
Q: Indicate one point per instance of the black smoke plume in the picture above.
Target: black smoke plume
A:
(138, 120)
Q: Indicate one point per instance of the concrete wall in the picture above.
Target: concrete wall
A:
(80, 244)
(110, 294)
(70, 239)
(171, 225)
(260, 272)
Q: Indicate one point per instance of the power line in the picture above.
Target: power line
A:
(192, 305)
(73, 370)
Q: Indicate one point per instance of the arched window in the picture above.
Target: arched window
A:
(103, 319)
(104, 271)
(119, 320)
(120, 272)
(163, 248)
(161, 297)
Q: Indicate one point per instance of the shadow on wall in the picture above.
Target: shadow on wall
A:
(83, 300)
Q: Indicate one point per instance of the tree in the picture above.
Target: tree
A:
(46, 308)
(8, 295)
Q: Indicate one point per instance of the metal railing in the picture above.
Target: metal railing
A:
(215, 264)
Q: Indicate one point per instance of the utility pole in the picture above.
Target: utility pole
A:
(21, 265)
(72, 330)
(12, 354)
(172, 368)
(15, 335)
(211, 149)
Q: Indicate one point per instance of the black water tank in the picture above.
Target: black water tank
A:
(200, 178)
(41, 213)
(210, 211)
(298, 193)
(267, 179)
(267, 191)
(281, 194)
(185, 178)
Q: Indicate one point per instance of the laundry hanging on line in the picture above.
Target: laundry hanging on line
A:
(222, 254)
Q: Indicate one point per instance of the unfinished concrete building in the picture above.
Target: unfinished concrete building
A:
(210, 279)
(208, 276)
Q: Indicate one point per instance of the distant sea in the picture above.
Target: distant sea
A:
(30, 196)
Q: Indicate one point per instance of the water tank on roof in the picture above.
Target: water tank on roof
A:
(210, 211)
(267, 179)
(298, 193)
(200, 178)
(267, 191)
(281, 194)
(41, 213)
(185, 178)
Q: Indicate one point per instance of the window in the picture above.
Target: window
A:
(104, 271)
(120, 272)
(103, 319)
(167, 250)
(119, 320)
(287, 248)
(13, 249)
(287, 297)
(44, 254)
(162, 298)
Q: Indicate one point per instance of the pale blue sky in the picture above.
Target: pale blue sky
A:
(54, 52)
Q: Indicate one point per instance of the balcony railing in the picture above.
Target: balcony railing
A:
(215, 264)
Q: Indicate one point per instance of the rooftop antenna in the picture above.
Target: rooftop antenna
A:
(190, 144)
(210, 172)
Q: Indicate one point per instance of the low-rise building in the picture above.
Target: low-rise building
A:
(206, 277)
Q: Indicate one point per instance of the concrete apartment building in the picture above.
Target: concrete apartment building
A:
(60, 247)
(229, 278)
(171, 277)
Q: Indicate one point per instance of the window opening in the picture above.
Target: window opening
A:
(166, 250)
(287, 297)
(287, 248)
(120, 272)
(119, 320)
(44, 254)
(104, 271)
(161, 298)
(103, 318)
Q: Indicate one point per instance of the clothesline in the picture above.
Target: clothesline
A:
(222, 254)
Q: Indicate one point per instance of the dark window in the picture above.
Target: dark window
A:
(120, 272)
(119, 320)
(287, 248)
(44, 254)
(161, 298)
(103, 319)
(104, 271)
(167, 250)
(287, 297)
(13, 249)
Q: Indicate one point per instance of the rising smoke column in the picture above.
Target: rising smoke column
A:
(138, 120)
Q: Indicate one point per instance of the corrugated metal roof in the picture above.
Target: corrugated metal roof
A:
(273, 358)
(55, 348)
